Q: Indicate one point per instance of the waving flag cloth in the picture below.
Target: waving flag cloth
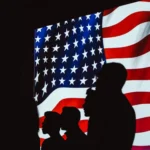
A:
(69, 54)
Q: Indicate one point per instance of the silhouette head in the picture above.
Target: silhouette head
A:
(51, 124)
(70, 118)
(112, 76)
(87, 106)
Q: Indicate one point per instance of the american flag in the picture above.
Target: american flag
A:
(69, 54)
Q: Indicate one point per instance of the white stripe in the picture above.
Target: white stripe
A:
(45, 136)
(60, 93)
(132, 37)
(142, 61)
(136, 86)
(124, 11)
(142, 111)
(142, 139)
(83, 117)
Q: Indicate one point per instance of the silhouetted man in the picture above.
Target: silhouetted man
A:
(70, 119)
(51, 126)
(112, 118)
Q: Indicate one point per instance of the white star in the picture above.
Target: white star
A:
(37, 39)
(97, 26)
(80, 18)
(83, 80)
(75, 43)
(54, 59)
(37, 77)
(102, 62)
(45, 49)
(37, 61)
(66, 46)
(81, 28)
(56, 48)
(94, 65)
(83, 41)
(91, 39)
(45, 71)
(75, 57)
(39, 29)
(67, 33)
(84, 54)
(93, 51)
(66, 22)
(49, 27)
(73, 20)
(97, 15)
(94, 79)
(100, 50)
(98, 38)
(45, 88)
(53, 69)
(89, 27)
(45, 59)
(36, 97)
(74, 30)
(85, 68)
(58, 25)
(88, 17)
(58, 36)
(65, 59)
(62, 81)
(73, 70)
(47, 38)
(37, 49)
(72, 81)
(53, 82)
(63, 70)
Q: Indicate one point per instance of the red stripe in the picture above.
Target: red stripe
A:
(126, 25)
(75, 102)
(41, 141)
(143, 125)
(141, 148)
(64, 137)
(136, 98)
(139, 74)
(145, 1)
(108, 11)
(134, 50)
(83, 124)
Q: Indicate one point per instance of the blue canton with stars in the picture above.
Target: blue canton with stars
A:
(68, 54)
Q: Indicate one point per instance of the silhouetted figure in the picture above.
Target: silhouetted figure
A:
(51, 126)
(112, 119)
(70, 122)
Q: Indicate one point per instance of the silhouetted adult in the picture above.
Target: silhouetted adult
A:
(51, 126)
(70, 122)
(112, 118)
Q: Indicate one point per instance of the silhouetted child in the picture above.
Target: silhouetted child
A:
(70, 122)
(51, 126)
(112, 119)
